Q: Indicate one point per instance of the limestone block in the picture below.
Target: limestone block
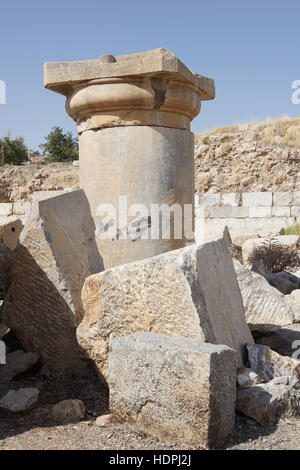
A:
(260, 211)
(259, 199)
(295, 211)
(217, 211)
(231, 199)
(176, 389)
(282, 198)
(57, 251)
(266, 308)
(265, 226)
(239, 212)
(296, 201)
(21, 208)
(213, 199)
(6, 208)
(191, 292)
(281, 211)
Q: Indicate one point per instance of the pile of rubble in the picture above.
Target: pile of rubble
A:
(171, 336)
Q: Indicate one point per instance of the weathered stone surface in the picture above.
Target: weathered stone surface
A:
(259, 199)
(174, 388)
(19, 400)
(57, 252)
(285, 341)
(152, 88)
(134, 118)
(152, 158)
(10, 233)
(247, 377)
(192, 292)
(68, 411)
(269, 364)
(17, 362)
(266, 308)
(265, 403)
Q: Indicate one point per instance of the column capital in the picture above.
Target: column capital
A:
(152, 88)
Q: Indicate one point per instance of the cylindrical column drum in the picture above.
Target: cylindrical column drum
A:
(147, 175)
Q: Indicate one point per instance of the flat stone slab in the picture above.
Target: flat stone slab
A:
(177, 389)
(190, 292)
(58, 75)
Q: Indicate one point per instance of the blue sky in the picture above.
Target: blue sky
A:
(251, 49)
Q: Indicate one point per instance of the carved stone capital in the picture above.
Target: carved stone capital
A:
(147, 89)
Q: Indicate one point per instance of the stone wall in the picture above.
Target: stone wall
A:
(243, 213)
(251, 212)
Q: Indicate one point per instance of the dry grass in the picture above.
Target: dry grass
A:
(284, 131)
(292, 230)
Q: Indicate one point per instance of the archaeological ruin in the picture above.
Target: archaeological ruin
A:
(167, 301)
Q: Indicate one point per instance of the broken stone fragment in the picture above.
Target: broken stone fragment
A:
(10, 233)
(269, 364)
(285, 341)
(104, 421)
(265, 403)
(19, 400)
(247, 377)
(17, 362)
(191, 292)
(266, 308)
(176, 389)
(57, 251)
(68, 411)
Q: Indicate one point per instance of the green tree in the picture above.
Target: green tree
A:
(60, 146)
(13, 151)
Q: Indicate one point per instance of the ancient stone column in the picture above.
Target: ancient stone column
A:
(133, 115)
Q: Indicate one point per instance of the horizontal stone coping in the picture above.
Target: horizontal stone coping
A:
(280, 199)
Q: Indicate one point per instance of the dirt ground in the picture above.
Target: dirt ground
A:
(37, 430)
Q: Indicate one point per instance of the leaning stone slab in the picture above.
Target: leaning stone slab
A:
(19, 400)
(57, 251)
(269, 364)
(17, 362)
(176, 389)
(266, 308)
(190, 292)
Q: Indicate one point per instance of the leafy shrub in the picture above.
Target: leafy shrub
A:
(276, 257)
